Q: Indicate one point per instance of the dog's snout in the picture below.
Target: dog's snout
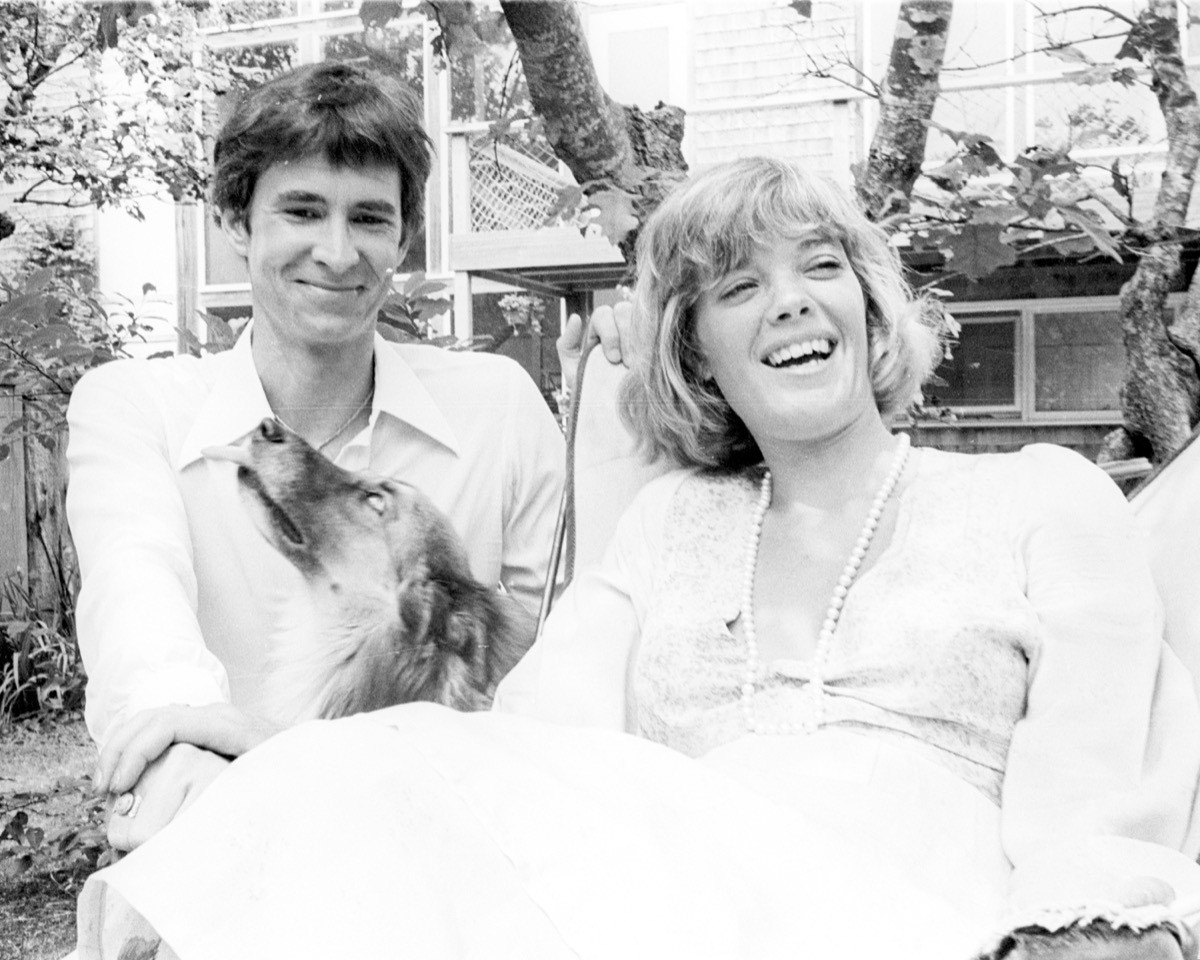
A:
(271, 430)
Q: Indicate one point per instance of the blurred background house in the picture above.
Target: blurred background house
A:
(1040, 354)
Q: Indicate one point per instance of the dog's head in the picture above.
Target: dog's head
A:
(397, 615)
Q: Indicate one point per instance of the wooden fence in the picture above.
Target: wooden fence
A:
(34, 542)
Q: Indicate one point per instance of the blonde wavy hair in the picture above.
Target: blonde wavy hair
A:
(705, 229)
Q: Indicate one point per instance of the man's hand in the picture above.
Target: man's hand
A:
(146, 736)
(611, 327)
(168, 786)
(165, 758)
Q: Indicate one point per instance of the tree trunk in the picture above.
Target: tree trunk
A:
(907, 96)
(604, 144)
(1159, 395)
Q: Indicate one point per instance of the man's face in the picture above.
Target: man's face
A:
(321, 243)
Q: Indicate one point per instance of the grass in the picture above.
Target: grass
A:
(44, 770)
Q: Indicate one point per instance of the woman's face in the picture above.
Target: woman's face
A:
(785, 338)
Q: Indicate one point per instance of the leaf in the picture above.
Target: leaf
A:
(1070, 54)
(1075, 246)
(15, 828)
(499, 129)
(1120, 181)
(978, 251)
(1093, 228)
(34, 837)
(996, 213)
(566, 204)
(1125, 76)
(803, 8)
(1046, 162)
(949, 175)
(433, 308)
(615, 213)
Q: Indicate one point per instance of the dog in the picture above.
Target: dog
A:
(393, 614)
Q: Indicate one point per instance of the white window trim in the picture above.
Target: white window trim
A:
(1024, 410)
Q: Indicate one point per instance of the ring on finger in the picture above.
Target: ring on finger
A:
(127, 805)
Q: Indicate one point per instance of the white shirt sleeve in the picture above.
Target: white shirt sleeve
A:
(1109, 747)
(534, 481)
(580, 670)
(136, 615)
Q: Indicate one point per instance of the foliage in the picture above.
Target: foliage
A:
(108, 103)
(408, 313)
(53, 329)
(982, 212)
(75, 849)
(40, 668)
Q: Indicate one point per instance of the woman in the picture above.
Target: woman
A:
(902, 672)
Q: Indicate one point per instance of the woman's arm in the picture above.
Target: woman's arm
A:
(1102, 769)
(580, 670)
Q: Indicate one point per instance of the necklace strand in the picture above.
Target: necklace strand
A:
(813, 694)
(338, 432)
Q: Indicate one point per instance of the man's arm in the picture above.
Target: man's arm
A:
(138, 631)
(136, 617)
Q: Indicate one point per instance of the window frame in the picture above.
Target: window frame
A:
(1024, 410)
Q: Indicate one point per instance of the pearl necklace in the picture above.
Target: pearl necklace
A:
(814, 692)
(338, 432)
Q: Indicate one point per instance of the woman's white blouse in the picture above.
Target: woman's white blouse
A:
(1010, 631)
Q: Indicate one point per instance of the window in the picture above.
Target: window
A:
(1035, 361)
(1079, 360)
(263, 41)
(982, 369)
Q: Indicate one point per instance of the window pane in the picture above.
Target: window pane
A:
(1079, 360)
(397, 48)
(982, 371)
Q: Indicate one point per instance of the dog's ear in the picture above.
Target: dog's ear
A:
(442, 633)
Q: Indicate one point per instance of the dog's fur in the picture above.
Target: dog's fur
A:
(394, 614)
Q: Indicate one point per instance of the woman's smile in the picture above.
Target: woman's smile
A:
(784, 336)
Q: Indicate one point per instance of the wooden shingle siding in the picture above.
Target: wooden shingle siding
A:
(746, 58)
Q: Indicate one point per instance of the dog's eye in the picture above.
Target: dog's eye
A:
(378, 502)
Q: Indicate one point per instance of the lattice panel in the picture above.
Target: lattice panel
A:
(514, 184)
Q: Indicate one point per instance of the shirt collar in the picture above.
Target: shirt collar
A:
(400, 393)
(234, 407)
(237, 403)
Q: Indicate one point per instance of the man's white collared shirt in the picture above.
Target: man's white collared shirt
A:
(181, 594)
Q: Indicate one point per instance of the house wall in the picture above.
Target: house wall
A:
(743, 71)
(750, 93)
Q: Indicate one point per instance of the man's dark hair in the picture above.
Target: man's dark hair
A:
(349, 115)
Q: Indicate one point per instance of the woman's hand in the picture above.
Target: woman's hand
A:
(158, 761)
(168, 786)
(611, 327)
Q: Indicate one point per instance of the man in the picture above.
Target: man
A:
(319, 184)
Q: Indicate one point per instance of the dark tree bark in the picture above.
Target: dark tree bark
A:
(604, 144)
(1160, 395)
(906, 99)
